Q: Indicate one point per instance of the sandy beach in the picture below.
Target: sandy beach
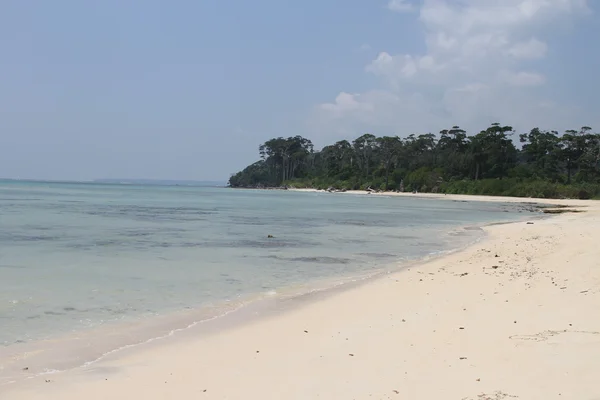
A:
(456, 197)
(515, 316)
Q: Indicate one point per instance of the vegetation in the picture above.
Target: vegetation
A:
(544, 164)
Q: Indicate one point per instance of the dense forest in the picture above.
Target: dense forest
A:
(494, 161)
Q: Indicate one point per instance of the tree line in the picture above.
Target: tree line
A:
(494, 161)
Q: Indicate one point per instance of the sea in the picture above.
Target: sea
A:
(80, 261)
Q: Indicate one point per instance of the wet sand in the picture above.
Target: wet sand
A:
(513, 316)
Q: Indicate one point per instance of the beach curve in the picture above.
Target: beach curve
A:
(509, 317)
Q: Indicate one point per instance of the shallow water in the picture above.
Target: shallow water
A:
(76, 256)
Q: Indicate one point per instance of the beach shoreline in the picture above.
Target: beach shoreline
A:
(83, 348)
(388, 313)
(456, 197)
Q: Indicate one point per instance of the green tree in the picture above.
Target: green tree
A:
(364, 148)
(388, 149)
(493, 152)
(285, 156)
(573, 147)
(540, 152)
(546, 165)
(452, 152)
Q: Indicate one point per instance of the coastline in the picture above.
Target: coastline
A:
(83, 348)
(572, 203)
(395, 315)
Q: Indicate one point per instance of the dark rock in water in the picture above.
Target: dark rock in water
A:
(270, 237)
(560, 211)
(323, 260)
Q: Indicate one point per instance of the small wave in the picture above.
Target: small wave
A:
(12, 266)
(319, 260)
(53, 313)
(378, 255)
(17, 238)
(160, 337)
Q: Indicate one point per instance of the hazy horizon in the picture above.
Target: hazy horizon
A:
(188, 91)
(124, 180)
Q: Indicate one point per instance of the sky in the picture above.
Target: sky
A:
(189, 89)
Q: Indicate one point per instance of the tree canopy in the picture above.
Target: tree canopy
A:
(494, 161)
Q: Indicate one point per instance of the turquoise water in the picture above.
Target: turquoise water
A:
(75, 256)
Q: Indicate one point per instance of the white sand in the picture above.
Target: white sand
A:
(528, 298)
(457, 197)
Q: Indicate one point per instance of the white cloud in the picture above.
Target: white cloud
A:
(477, 68)
(346, 102)
(372, 111)
(393, 68)
(532, 48)
(523, 78)
(400, 5)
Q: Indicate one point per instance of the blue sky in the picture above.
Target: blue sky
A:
(189, 89)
